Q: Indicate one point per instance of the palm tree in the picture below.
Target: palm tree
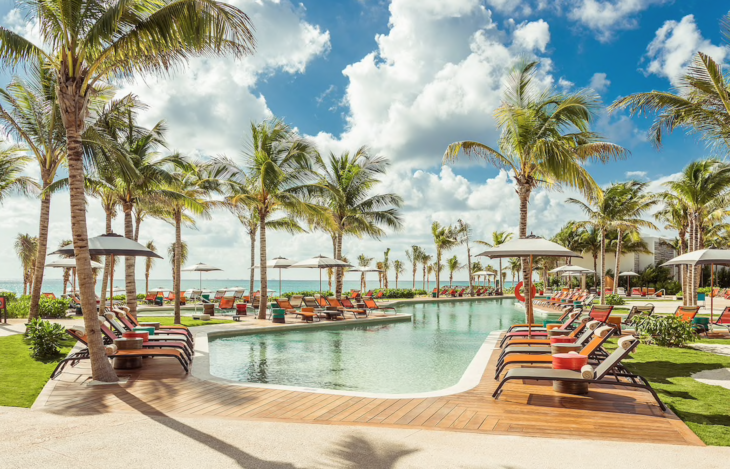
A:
(515, 266)
(148, 263)
(87, 42)
(363, 261)
(445, 238)
(414, 256)
(399, 268)
(605, 212)
(12, 181)
(279, 164)
(675, 216)
(346, 188)
(26, 247)
(425, 262)
(589, 241)
(453, 264)
(498, 238)
(700, 103)
(387, 264)
(67, 271)
(381, 269)
(545, 139)
(704, 189)
(463, 233)
(172, 251)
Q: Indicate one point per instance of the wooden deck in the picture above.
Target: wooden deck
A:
(528, 409)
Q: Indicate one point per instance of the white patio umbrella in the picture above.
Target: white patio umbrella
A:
(111, 244)
(200, 268)
(709, 257)
(531, 246)
(362, 271)
(320, 262)
(277, 263)
(628, 276)
(71, 264)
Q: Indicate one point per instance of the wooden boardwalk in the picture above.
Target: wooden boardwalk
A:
(527, 409)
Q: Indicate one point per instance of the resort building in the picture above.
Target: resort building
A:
(660, 249)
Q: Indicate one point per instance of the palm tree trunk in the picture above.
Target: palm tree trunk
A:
(137, 224)
(339, 272)
(501, 287)
(40, 260)
(107, 259)
(252, 238)
(129, 263)
(178, 262)
(618, 262)
(603, 266)
(396, 279)
(72, 109)
(438, 271)
(523, 191)
(424, 277)
(415, 269)
(262, 263)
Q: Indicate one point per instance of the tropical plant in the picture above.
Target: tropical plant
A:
(453, 265)
(425, 262)
(614, 299)
(414, 257)
(278, 162)
(88, 42)
(399, 268)
(12, 165)
(67, 271)
(172, 251)
(45, 338)
(589, 241)
(666, 331)
(26, 248)
(148, 263)
(387, 265)
(498, 238)
(515, 266)
(445, 238)
(381, 269)
(545, 141)
(463, 233)
(345, 187)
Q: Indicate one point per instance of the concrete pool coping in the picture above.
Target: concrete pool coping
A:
(469, 379)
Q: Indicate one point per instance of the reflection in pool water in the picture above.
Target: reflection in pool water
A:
(427, 354)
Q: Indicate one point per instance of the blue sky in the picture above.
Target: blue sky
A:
(408, 77)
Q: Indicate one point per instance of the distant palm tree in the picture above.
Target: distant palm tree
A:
(379, 266)
(67, 271)
(425, 262)
(498, 238)
(546, 139)
(414, 257)
(148, 263)
(171, 254)
(453, 264)
(363, 261)
(88, 42)
(386, 267)
(463, 232)
(515, 266)
(399, 268)
(346, 187)
(445, 238)
(26, 247)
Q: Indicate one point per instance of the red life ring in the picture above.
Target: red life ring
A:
(519, 296)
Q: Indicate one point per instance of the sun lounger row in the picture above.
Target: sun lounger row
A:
(311, 308)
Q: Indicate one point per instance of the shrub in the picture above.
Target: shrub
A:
(395, 293)
(705, 290)
(20, 308)
(418, 292)
(667, 331)
(45, 338)
(49, 308)
(614, 300)
(289, 294)
(140, 296)
(9, 296)
(120, 297)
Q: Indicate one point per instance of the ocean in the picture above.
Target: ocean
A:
(55, 285)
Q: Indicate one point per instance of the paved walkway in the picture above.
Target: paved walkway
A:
(134, 440)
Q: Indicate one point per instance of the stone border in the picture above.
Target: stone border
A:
(470, 379)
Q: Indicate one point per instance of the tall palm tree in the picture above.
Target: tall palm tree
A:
(172, 253)
(346, 187)
(515, 266)
(498, 238)
(279, 163)
(700, 102)
(463, 232)
(414, 256)
(88, 42)
(363, 261)
(387, 265)
(445, 238)
(148, 263)
(399, 268)
(545, 141)
(704, 188)
(26, 247)
(453, 265)
(675, 216)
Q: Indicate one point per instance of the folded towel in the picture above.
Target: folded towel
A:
(111, 350)
(603, 331)
(587, 372)
(80, 329)
(626, 342)
(109, 316)
(593, 325)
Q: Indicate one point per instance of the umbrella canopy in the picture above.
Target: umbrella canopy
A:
(364, 269)
(71, 264)
(200, 267)
(702, 257)
(319, 262)
(570, 268)
(482, 272)
(112, 244)
(160, 289)
(628, 274)
(530, 246)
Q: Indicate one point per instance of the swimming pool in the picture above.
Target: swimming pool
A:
(429, 353)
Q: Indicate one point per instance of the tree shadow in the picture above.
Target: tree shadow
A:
(663, 371)
(356, 451)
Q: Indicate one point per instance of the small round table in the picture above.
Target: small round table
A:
(570, 361)
(128, 363)
(564, 347)
(145, 336)
(155, 325)
(557, 332)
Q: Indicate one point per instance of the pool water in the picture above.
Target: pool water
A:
(427, 354)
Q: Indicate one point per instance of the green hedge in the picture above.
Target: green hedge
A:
(396, 293)
(49, 308)
(289, 294)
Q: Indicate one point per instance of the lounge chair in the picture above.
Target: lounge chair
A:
(79, 333)
(600, 312)
(296, 301)
(544, 340)
(599, 337)
(150, 298)
(131, 322)
(109, 337)
(582, 334)
(571, 318)
(371, 306)
(646, 310)
(284, 304)
(160, 336)
(609, 367)
(52, 296)
(227, 303)
(353, 309)
(310, 302)
(526, 332)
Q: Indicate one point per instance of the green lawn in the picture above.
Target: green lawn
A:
(21, 377)
(704, 408)
(186, 321)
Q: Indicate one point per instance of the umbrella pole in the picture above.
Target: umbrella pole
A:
(712, 297)
(528, 304)
(320, 274)
(111, 285)
(74, 275)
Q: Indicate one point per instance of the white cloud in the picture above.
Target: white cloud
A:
(636, 174)
(534, 35)
(675, 45)
(605, 17)
(565, 85)
(599, 82)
